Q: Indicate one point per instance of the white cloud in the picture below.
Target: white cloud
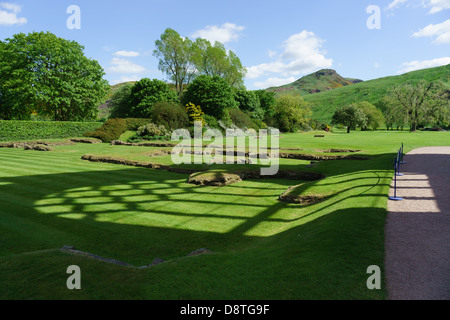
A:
(438, 5)
(126, 79)
(395, 4)
(273, 82)
(123, 53)
(120, 65)
(302, 54)
(441, 31)
(417, 65)
(227, 32)
(8, 14)
(434, 5)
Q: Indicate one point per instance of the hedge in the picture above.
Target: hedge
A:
(112, 129)
(14, 130)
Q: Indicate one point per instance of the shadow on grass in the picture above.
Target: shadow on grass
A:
(136, 215)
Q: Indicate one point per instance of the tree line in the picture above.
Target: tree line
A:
(413, 105)
(48, 76)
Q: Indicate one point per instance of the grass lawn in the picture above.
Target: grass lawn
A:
(262, 248)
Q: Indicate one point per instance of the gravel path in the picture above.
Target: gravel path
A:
(417, 232)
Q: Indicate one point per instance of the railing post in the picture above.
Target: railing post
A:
(397, 162)
(402, 154)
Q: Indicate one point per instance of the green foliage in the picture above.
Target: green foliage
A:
(419, 103)
(120, 101)
(266, 100)
(175, 56)
(374, 116)
(241, 119)
(112, 129)
(170, 114)
(47, 75)
(248, 101)
(134, 123)
(290, 113)
(211, 122)
(152, 130)
(215, 60)
(349, 116)
(12, 130)
(214, 94)
(145, 93)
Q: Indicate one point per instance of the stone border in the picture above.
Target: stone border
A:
(244, 174)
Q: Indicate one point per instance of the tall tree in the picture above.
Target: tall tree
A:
(215, 60)
(120, 101)
(419, 101)
(175, 56)
(50, 76)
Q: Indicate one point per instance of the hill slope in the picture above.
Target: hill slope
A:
(322, 80)
(325, 103)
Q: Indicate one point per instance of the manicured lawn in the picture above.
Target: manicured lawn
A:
(262, 248)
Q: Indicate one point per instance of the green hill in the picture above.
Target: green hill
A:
(322, 80)
(325, 103)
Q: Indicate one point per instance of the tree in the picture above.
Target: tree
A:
(374, 116)
(120, 102)
(438, 111)
(290, 113)
(248, 101)
(51, 76)
(145, 93)
(215, 60)
(175, 56)
(266, 99)
(419, 101)
(349, 116)
(213, 94)
(394, 115)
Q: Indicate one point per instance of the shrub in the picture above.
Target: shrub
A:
(14, 130)
(134, 123)
(195, 113)
(211, 121)
(153, 130)
(171, 115)
(111, 130)
(240, 119)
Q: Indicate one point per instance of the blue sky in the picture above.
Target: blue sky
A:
(278, 41)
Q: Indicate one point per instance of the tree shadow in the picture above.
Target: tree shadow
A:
(136, 214)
